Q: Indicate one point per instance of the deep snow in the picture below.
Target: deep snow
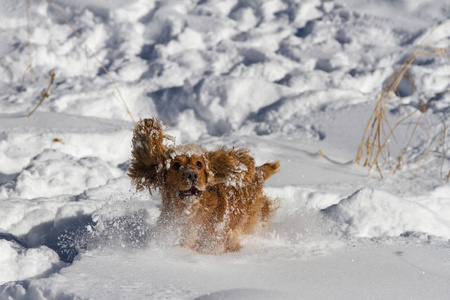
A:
(293, 81)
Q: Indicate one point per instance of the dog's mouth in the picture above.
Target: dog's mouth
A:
(193, 191)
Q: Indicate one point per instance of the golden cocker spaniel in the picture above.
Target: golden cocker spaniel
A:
(212, 198)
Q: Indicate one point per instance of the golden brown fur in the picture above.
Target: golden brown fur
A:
(212, 198)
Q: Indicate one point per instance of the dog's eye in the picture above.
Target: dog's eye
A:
(176, 166)
(199, 165)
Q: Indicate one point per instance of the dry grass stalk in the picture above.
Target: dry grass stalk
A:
(374, 148)
(45, 94)
(87, 48)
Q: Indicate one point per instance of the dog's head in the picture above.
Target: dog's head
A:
(186, 173)
(181, 171)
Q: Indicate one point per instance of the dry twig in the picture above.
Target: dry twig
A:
(45, 94)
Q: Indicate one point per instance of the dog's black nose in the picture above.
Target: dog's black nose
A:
(191, 175)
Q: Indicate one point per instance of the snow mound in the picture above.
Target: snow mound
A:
(53, 173)
(372, 213)
(19, 263)
(74, 135)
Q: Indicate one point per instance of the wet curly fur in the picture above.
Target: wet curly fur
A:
(211, 197)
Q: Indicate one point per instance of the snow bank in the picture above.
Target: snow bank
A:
(39, 219)
(223, 63)
(77, 136)
(19, 263)
(372, 213)
(53, 173)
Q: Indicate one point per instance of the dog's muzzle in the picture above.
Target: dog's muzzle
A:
(193, 191)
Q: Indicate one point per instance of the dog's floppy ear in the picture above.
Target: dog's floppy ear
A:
(232, 167)
(269, 169)
(149, 154)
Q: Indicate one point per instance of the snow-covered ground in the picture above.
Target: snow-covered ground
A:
(294, 81)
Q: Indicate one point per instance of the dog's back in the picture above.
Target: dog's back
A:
(246, 208)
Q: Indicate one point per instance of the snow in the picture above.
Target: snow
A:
(385, 214)
(293, 81)
(19, 263)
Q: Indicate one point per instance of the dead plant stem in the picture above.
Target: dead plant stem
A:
(95, 56)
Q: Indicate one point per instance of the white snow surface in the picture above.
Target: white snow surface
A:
(289, 80)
